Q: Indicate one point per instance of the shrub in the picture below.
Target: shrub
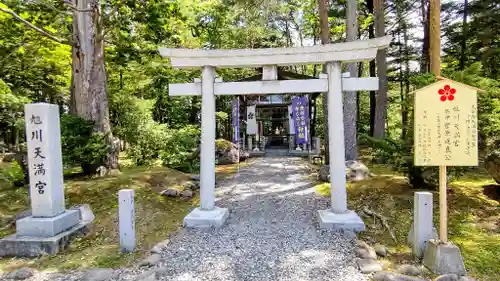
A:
(11, 174)
(152, 138)
(399, 155)
(179, 151)
(81, 145)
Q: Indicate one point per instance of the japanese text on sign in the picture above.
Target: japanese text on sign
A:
(446, 125)
(38, 167)
(300, 108)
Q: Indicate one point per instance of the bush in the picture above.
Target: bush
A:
(81, 145)
(150, 141)
(179, 151)
(174, 147)
(11, 174)
(399, 155)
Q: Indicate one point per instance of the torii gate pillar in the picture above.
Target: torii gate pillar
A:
(338, 217)
(207, 215)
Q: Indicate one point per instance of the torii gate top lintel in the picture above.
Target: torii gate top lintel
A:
(360, 50)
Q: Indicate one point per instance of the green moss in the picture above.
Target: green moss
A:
(223, 144)
(472, 217)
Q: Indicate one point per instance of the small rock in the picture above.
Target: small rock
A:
(151, 260)
(192, 185)
(466, 278)
(447, 277)
(160, 247)
(170, 192)
(390, 276)
(362, 244)
(366, 253)
(409, 269)
(195, 177)
(187, 194)
(86, 213)
(21, 274)
(97, 274)
(369, 265)
(349, 234)
(381, 250)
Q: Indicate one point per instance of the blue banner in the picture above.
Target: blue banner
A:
(300, 111)
(235, 118)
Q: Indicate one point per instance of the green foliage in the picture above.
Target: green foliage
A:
(81, 145)
(179, 152)
(11, 174)
(151, 139)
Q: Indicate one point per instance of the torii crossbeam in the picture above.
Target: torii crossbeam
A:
(332, 83)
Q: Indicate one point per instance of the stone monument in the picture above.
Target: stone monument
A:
(50, 225)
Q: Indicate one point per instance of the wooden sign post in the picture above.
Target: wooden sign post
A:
(445, 133)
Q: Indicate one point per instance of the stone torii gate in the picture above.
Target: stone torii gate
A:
(332, 83)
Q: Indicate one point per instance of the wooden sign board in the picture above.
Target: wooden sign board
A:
(445, 129)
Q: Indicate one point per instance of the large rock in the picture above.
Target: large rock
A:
(447, 277)
(355, 171)
(227, 152)
(492, 163)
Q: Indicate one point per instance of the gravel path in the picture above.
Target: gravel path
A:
(272, 234)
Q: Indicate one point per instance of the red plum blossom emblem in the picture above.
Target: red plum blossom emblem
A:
(447, 93)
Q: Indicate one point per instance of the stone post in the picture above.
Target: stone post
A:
(43, 136)
(250, 145)
(126, 219)
(338, 217)
(422, 222)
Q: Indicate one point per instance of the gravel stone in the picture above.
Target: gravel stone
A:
(21, 274)
(466, 278)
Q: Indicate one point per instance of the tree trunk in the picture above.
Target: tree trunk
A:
(425, 60)
(325, 39)
(381, 101)
(350, 101)
(89, 78)
(404, 117)
(463, 42)
(373, 94)
(435, 36)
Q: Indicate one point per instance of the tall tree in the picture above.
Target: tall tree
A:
(463, 42)
(350, 101)
(325, 39)
(89, 98)
(381, 59)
